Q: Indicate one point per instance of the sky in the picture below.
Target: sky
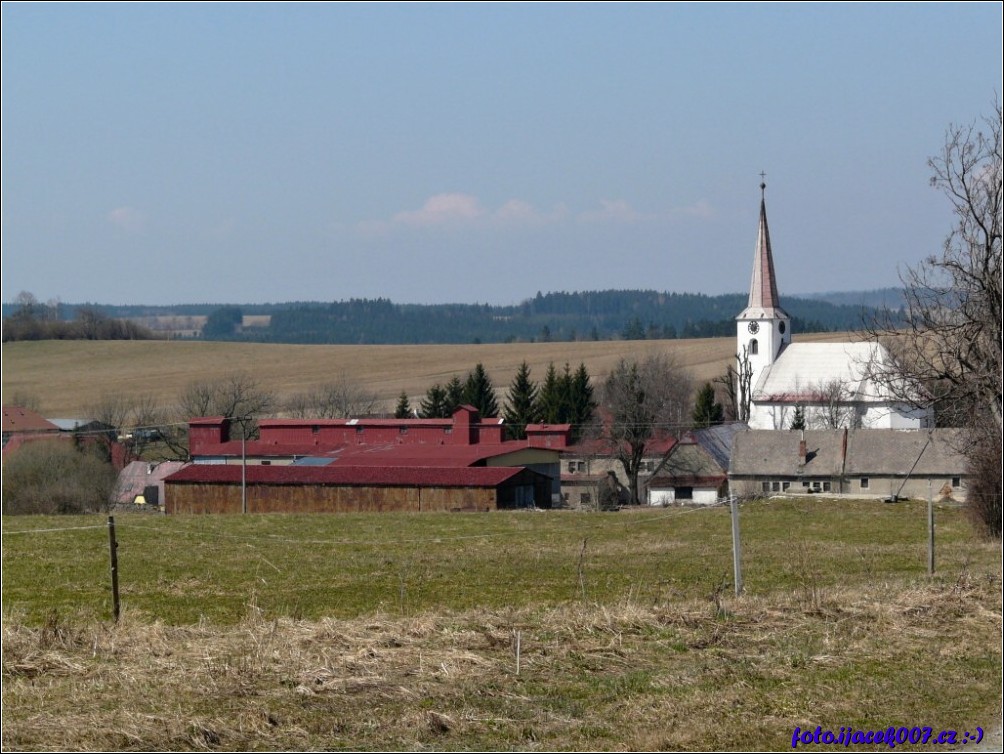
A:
(475, 153)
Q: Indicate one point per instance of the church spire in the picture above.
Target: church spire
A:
(763, 300)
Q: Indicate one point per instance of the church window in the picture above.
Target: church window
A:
(754, 347)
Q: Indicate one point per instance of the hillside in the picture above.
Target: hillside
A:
(65, 377)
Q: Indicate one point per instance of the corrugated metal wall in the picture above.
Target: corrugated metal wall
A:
(226, 498)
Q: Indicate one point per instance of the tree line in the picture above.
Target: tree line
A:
(34, 320)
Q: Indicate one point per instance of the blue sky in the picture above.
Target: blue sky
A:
(158, 153)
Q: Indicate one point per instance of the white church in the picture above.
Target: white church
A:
(830, 383)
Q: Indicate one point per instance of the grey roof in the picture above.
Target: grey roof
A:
(894, 452)
(717, 440)
(770, 452)
(868, 452)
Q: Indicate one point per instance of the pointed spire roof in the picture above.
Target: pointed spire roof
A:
(764, 301)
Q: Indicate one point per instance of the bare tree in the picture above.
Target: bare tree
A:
(737, 384)
(645, 400)
(830, 406)
(340, 398)
(947, 343)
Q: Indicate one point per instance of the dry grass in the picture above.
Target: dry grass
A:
(68, 376)
(388, 632)
(695, 674)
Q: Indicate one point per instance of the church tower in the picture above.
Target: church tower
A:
(763, 329)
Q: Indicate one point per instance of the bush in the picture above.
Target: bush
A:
(53, 476)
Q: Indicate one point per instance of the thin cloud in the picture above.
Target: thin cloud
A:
(612, 210)
(442, 209)
(128, 219)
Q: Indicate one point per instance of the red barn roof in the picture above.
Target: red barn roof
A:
(362, 476)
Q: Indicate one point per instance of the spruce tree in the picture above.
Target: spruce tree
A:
(480, 393)
(403, 410)
(707, 411)
(550, 398)
(434, 404)
(454, 397)
(581, 403)
(521, 404)
(798, 420)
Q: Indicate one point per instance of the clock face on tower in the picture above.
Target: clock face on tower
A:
(753, 327)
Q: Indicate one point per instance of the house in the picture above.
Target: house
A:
(832, 384)
(592, 463)
(879, 463)
(142, 482)
(696, 469)
(22, 425)
(368, 464)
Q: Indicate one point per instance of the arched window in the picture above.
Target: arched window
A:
(753, 347)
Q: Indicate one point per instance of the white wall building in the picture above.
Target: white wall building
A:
(831, 383)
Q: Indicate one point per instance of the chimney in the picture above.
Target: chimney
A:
(801, 450)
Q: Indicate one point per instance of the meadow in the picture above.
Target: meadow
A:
(385, 632)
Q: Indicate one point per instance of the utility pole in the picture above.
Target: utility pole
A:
(113, 551)
(244, 466)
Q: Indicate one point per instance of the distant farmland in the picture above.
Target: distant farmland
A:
(65, 377)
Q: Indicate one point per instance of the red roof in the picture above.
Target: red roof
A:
(18, 419)
(360, 476)
(408, 454)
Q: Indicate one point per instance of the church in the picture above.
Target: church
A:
(830, 385)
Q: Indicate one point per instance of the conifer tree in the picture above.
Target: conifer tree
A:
(480, 393)
(707, 411)
(581, 402)
(454, 396)
(521, 404)
(798, 420)
(434, 404)
(403, 410)
(550, 398)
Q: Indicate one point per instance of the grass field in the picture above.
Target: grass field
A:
(65, 377)
(398, 631)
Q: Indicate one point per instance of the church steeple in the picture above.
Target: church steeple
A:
(763, 329)
(764, 301)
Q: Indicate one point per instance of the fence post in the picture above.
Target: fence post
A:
(737, 565)
(930, 531)
(112, 549)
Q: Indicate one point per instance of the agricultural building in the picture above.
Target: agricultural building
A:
(460, 463)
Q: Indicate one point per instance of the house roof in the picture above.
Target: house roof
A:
(138, 475)
(862, 452)
(688, 459)
(19, 419)
(803, 370)
(361, 476)
(893, 452)
(717, 440)
(776, 453)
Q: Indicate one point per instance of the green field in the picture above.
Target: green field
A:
(398, 631)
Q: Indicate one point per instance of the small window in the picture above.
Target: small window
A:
(403, 431)
(775, 486)
(585, 498)
(956, 481)
(266, 463)
(766, 486)
(754, 347)
(826, 486)
(314, 429)
(864, 482)
(785, 486)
